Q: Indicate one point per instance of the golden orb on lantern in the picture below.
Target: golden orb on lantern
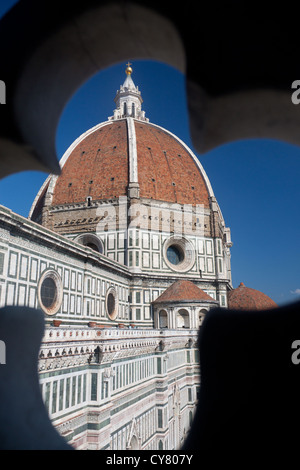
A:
(128, 69)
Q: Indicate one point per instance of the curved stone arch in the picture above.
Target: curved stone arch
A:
(134, 443)
(74, 42)
(92, 241)
(163, 319)
(84, 31)
(201, 314)
(183, 318)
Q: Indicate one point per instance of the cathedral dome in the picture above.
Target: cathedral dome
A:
(98, 167)
(245, 298)
(122, 153)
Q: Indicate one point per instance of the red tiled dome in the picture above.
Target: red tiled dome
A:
(125, 156)
(97, 166)
(245, 298)
(166, 170)
(185, 291)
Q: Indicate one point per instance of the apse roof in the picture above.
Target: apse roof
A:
(183, 291)
(246, 298)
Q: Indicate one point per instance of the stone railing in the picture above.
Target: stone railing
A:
(69, 346)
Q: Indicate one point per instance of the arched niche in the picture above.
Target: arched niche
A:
(163, 319)
(91, 241)
(183, 318)
(134, 443)
(201, 314)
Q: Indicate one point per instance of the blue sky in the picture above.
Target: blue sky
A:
(256, 182)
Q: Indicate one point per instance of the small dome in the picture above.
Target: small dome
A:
(183, 291)
(245, 298)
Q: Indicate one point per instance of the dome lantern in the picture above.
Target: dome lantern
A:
(128, 99)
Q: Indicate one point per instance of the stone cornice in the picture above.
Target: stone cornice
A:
(14, 222)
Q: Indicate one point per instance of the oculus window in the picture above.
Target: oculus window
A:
(111, 303)
(175, 254)
(50, 292)
(179, 254)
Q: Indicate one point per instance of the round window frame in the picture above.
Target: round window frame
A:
(186, 247)
(50, 273)
(112, 291)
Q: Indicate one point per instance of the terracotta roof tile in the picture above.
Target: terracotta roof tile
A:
(98, 167)
(166, 171)
(183, 291)
(245, 298)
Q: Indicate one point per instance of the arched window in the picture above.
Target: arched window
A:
(163, 319)
(201, 316)
(134, 443)
(183, 319)
(90, 240)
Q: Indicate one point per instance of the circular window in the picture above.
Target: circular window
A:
(50, 292)
(179, 254)
(111, 303)
(175, 254)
